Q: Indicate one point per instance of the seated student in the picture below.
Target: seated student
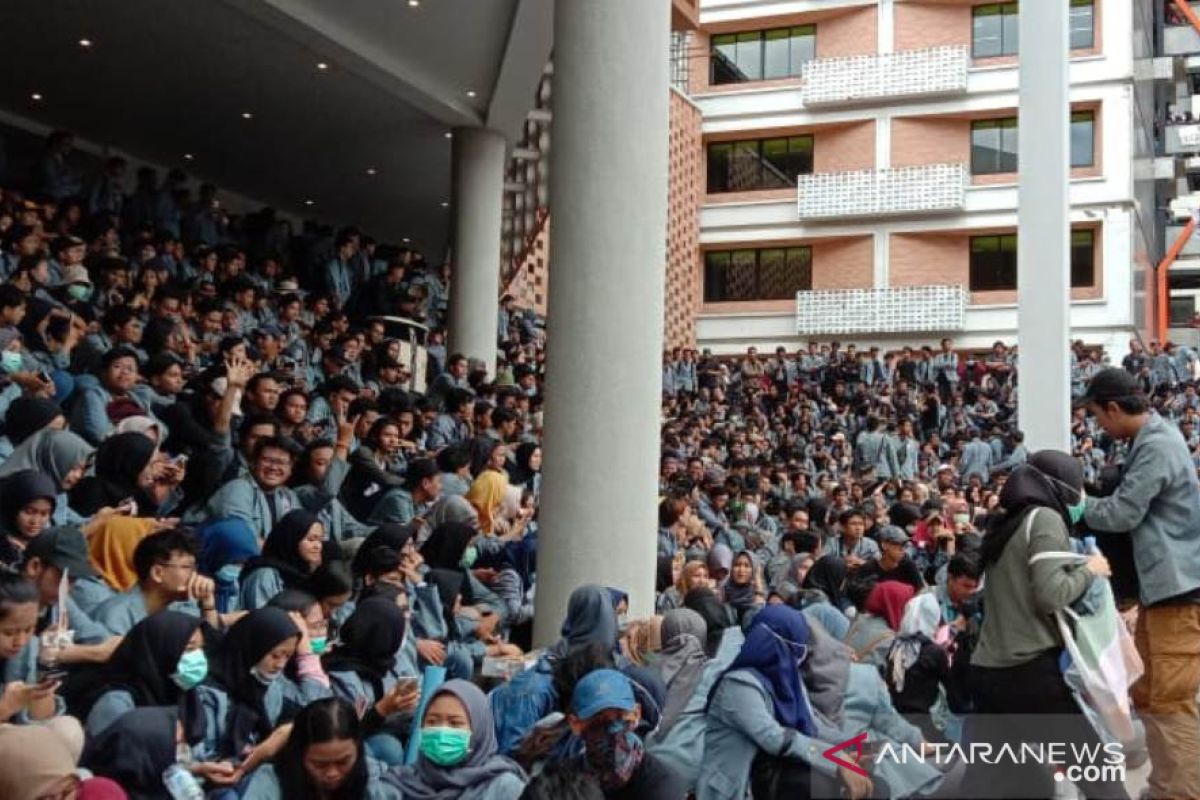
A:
(324, 757)
(225, 547)
(102, 402)
(373, 469)
(39, 763)
(458, 751)
(126, 468)
(366, 669)
(60, 454)
(874, 628)
(722, 623)
(27, 502)
(160, 659)
(138, 747)
(262, 497)
(893, 564)
(562, 783)
(757, 706)
(851, 544)
(111, 544)
(917, 666)
(247, 695)
(165, 563)
(604, 714)
(400, 504)
(292, 551)
(743, 589)
(23, 697)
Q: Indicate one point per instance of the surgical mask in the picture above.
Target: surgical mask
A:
(10, 361)
(319, 643)
(445, 746)
(191, 670)
(1076, 511)
(79, 291)
(614, 756)
(265, 678)
(469, 555)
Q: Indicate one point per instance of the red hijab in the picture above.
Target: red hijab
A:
(888, 600)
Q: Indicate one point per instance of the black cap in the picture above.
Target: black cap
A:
(1113, 383)
(63, 547)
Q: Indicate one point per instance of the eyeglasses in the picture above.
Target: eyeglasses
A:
(275, 462)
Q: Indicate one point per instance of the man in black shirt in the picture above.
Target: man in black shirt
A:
(894, 563)
(605, 714)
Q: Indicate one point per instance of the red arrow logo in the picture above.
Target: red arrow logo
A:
(857, 743)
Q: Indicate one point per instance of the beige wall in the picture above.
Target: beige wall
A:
(844, 263)
(845, 147)
(849, 34)
(930, 140)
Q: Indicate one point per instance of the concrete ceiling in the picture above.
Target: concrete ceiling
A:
(167, 77)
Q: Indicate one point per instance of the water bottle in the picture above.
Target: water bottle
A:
(181, 784)
(1089, 545)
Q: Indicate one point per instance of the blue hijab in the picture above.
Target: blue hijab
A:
(224, 542)
(590, 619)
(776, 643)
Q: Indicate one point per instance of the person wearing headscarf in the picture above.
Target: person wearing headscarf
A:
(392, 535)
(759, 705)
(121, 473)
(828, 576)
(459, 758)
(526, 471)
(60, 454)
(721, 621)
(590, 620)
(27, 501)
(743, 590)
(888, 600)
(226, 545)
(136, 749)
(294, 548)
(452, 508)
(160, 659)
(247, 694)
(149, 427)
(486, 496)
(514, 581)
(110, 550)
(916, 665)
(26, 416)
(452, 546)
(1015, 664)
(872, 630)
(720, 561)
(355, 775)
(39, 762)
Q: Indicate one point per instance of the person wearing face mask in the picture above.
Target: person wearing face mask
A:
(458, 757)
(1015, 665)
(290, 554)
(247, 694)
(604, 714)
(225, 547)
(158, 661)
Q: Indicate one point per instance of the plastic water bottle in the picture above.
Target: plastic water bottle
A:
(181, 784)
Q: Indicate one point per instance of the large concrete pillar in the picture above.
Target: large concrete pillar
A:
(477, 195)
(608, 195)
(1043, 247)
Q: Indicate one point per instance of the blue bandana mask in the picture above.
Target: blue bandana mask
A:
(614, 756)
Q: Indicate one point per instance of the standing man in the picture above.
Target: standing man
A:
(1158, 503)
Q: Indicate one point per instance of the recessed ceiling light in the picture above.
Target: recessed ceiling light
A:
(35, 97)
(308, 202)
(470, 92)
(85, 42)
(322, 65)
(445, 204)
(449, 135)
(414, 3)
(247, 115)
(370, 170)
(406, 240)
(188, 156)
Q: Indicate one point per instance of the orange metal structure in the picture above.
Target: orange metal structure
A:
(1163, 315)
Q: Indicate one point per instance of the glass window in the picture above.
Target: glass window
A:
(777, 47)
(1083, 138)
(759, 55)
(770, 274)
(994, 30)
(994, 261)
(758, 164)
(1083, 258)
(1083, 30)
(994, 146)
(1183, 309)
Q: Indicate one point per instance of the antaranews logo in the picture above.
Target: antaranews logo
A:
(857, 743)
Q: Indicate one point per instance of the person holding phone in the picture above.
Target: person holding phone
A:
(24, 695)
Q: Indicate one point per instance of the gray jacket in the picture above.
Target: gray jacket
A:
(1158, 501)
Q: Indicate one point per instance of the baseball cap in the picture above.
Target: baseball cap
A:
(63, 547)
(601, 690)
(890, 533)
(1108, 384)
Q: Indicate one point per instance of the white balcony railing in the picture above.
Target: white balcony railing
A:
(889, 76)
(905, 309)
(867, 193)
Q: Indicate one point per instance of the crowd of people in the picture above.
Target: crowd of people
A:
(244, 554)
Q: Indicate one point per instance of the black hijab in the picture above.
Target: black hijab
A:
(717, 616)
(520, 473)
(1050, 479)
(248, 640)
(446, 546)
(391, 534)
(19, 490)
(281, 549)
(28, 415)
(665, 575)
(368, 642)
(135, 750)
(828, 575)
(146, 658)
(120, 460)
(449, 585)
